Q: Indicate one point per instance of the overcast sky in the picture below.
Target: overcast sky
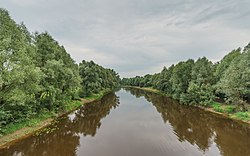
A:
(136, 37)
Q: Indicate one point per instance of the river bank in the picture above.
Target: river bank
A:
(18, 131)
(216, 108)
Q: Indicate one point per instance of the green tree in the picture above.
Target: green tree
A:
(19, 77)
(61, 79)
(37, 74)
(235, 82)
(225, 63)
(221, 68)
(163, 82)
(96, 79)
(200, 88)
(181, 76)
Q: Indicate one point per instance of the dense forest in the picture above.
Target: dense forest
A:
(202, 82)
(37, 74)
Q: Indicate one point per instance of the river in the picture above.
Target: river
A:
(133, 122)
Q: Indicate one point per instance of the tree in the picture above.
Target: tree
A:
(37, 73)
(19, 77)
(200, 88)
(61, 79)
(235, 82)
(225, 63)
(180, 79)
(221, 68)
(96, 79)
(163, 82)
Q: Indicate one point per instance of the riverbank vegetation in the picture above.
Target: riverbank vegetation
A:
(37, 75)
(223, 86)
(40, 80)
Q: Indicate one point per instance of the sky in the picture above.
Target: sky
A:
(137, 37)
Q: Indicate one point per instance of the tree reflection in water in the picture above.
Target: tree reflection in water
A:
(199, 127)
(66, 139)
(189, 129)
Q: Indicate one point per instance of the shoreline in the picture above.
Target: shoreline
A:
(208, 109)
(12, 138)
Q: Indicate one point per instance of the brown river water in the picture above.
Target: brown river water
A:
(133, 122)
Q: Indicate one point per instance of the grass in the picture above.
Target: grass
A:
(245, 116)
(94, 96)
(97, 96)
(231, 111)
(71, 105)
(217, 107)
(12, 127)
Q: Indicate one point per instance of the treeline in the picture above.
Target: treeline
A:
(95, 78)
(201, 82)
(37, 74)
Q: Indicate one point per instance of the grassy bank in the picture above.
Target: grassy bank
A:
(16, 131)
(98, 96)
(229, 111)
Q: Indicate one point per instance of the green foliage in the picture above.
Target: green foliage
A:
(180, 78)
(201, 82)
(37, 74)
(30, 122)
(200, 87)
(225, 63)
(96, 79)
(235, 82)
(61, 80)
(163, 82)
(19, 77)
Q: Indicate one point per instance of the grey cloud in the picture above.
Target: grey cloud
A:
(142, 36)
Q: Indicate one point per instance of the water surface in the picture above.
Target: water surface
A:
(133, 122)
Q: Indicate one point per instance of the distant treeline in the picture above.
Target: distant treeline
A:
(201, 82)
(37, 74)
